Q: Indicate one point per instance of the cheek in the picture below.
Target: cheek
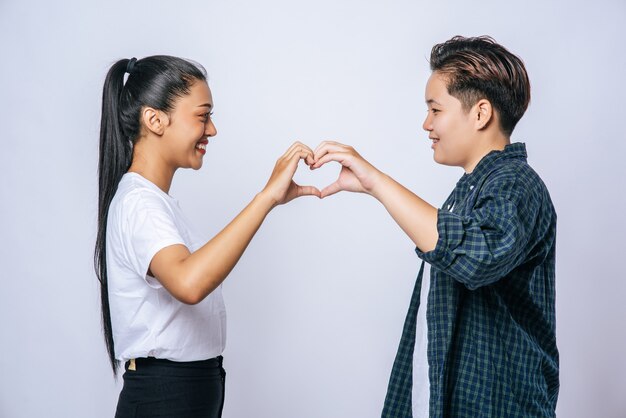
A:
(452, 128)
(440, 125)
(193, 129)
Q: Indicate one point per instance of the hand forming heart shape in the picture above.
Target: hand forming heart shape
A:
(318, 178)
(356, 174)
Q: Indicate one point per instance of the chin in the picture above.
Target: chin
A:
(443, 160)
(439, 159)
(195, 165)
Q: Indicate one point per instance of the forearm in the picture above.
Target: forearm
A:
(416, 217)
(190, 277)
(206, 268)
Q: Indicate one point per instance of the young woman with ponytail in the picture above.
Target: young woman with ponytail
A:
(162, 308)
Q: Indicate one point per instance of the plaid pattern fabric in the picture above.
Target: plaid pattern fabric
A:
(399, 402)
(491, 308)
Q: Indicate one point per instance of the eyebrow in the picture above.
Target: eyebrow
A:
(433, 101)
(209, 105)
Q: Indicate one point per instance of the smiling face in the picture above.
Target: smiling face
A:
(190, 125)
(449, 126)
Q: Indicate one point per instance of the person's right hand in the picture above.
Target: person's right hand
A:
(357, 175)
(281, 188)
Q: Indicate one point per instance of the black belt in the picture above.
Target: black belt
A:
(147, 361)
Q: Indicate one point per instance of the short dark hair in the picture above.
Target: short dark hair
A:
(480, 68)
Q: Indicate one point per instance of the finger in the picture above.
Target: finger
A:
(292, 147)
(340, 157)
(307, 191)
(306, 147)
(327, 147)
(300, 153)
(330, 190)
(295, 147)
(310, 159)
(291, 163)
(326, 143)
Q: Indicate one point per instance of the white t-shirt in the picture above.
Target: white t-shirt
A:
(421, 384)
(147, 320)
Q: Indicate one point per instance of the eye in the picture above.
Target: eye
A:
(206, 116)
(435, 110)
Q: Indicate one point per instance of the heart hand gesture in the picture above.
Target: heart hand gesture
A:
(280, 187)
(357, 175)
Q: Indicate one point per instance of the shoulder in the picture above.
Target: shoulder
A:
(514, 176)
(136, 198)
(516, 182)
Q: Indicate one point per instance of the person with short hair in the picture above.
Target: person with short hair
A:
(490, 310)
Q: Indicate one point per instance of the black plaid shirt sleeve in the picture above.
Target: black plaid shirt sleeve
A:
(483, 245)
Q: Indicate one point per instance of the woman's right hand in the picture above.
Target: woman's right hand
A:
(281, 188)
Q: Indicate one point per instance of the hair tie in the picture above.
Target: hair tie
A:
(131, 65)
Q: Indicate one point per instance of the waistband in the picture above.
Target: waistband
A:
(151, 363)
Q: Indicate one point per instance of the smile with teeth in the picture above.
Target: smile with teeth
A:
(201, 146)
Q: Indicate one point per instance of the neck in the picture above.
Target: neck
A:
(489, 142)
(148, 163)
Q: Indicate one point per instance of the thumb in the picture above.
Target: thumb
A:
(330, 190)
(308, 191)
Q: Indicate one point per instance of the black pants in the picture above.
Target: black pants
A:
(163, 388)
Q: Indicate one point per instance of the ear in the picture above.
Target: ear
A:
(483, 112)
(154, 120)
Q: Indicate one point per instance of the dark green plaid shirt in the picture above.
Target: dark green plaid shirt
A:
(491, 307)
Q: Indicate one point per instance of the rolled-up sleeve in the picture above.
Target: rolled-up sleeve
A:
(480, 248)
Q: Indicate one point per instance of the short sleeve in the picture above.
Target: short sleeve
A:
(149, 226)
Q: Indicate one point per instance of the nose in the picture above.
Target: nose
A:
(210, 129)
(428, 125)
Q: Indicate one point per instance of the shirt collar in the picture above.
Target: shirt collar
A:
(516, 150)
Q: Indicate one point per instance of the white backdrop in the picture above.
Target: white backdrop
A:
(317, 303)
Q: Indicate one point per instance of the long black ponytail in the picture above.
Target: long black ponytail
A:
(155, 82)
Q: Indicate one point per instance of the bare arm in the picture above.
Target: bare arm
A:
(190, 277)
(416, 217)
